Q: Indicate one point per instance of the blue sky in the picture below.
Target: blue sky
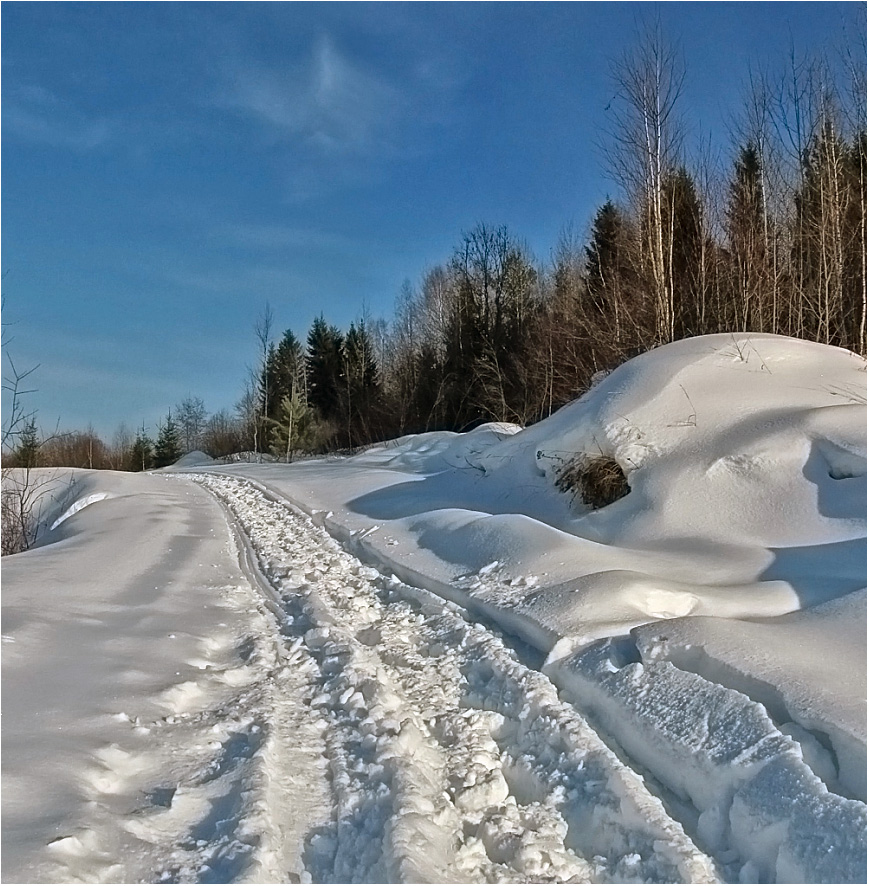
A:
(170, 167)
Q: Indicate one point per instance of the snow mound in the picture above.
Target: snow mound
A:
(196, 458)
(746, 461)
(437, 451)
(720, 435)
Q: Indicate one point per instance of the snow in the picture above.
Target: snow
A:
(427, 663)
(194, 459)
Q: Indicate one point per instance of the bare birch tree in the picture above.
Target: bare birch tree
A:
(648, 134)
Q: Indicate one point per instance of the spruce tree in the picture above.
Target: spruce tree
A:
(325, 368)
(268, 401)
(744, 227)
(141, 456)
(684, 242)
(27, 451)
(168, 447)
(360, 393)
(607, 257)
(288, 372)
(294, 428)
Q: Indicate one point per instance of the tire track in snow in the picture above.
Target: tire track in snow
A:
(450, 760)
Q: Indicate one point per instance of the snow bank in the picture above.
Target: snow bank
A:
(127, 620)
(437, 450)
(782, 663)
(746, 460)
(196, 458)
(759, 803)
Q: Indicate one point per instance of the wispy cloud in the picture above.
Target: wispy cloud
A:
(37, 115)
(330, 101)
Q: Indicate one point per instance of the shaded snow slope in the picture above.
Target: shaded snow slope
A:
(759, 805)
(781, 662)
(196, 458)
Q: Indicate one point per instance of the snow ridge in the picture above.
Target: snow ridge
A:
(757, 800)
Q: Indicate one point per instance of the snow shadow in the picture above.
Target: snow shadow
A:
(237, 748)
(823, 572)
(231, 857)
(351, 849)
(431, 493)
(819, 573)
(840, 477)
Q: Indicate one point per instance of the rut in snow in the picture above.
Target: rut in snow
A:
(448, 758)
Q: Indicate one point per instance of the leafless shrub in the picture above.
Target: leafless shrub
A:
(19, 510)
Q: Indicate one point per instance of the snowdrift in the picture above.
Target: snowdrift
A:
(746, 462)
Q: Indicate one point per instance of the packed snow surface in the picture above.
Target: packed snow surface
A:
(433, 661)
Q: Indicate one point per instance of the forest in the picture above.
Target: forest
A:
(765, 234)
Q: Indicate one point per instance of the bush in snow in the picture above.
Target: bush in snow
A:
(599, 480)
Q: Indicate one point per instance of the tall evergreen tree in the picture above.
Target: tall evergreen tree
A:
(141, 457)
(289, 370)
(615, 308)
(360, 391)
(167, 449)
(683, 227)
(267, 394)
(325, 368)
(746, 242)
(492, 279)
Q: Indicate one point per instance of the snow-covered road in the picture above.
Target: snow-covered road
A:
(449, 759)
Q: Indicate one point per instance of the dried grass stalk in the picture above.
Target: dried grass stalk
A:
(597, 479)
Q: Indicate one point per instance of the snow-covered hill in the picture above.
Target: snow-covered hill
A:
(503, 682)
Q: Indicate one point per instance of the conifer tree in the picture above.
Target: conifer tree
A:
(360, 392)
(324, 365)
(141, 457)
(683, 240)
(744, 228)
(167, 450)
(611, 279)
(294, 427)
(288, 371)
(26, 453)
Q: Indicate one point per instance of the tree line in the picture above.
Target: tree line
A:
(771, 238)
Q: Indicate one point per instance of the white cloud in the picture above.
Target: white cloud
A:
(330, 101)
(35, 114)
